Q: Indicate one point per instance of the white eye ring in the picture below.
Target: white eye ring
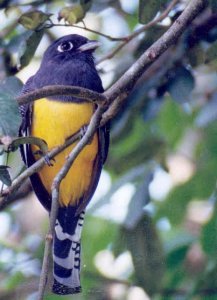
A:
(65, 46)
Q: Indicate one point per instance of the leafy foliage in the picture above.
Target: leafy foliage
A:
(72, 14)
(23, 47)
(9, 115)
(33, 20)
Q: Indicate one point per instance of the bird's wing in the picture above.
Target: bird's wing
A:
(26, 152)
(103, 140)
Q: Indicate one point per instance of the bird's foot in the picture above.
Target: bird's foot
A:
(46, 157)
(83, 131)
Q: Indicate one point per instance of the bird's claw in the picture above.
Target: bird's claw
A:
(83, 131)
(46, 157)
(48, 160)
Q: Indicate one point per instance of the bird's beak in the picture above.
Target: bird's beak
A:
(90, 45)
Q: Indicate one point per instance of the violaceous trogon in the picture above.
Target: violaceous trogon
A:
(67, 61)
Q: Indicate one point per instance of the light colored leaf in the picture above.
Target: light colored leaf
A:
(34, 19)
(22, 47)
(10, 119)
(72, 14)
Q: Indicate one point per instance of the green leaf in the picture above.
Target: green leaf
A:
(181, 84)
(95, 237)
(209, 232)
(72, 14)
(133, 150)
(147, 254)
(34, 19)
(42, 145)
(14, 280)
(10, 119)
(209, 236)
(172, 121)
(198, 187)
(208, 282)
(149, 8)
(177, 256)
(11, 85)
(4, 175)
(22, 47)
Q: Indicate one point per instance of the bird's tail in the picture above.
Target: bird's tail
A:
(66, 252)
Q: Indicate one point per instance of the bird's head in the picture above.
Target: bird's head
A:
(71, 47)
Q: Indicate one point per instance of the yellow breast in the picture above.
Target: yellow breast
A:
(54, 121)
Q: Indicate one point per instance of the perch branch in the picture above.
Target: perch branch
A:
(59, 90)
(125, 40)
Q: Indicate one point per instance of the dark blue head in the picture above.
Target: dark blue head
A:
(70, 47)
(69, 61)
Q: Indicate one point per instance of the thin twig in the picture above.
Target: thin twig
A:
(137, 32)
(125, 39)
(109, 37)
(22, 192)
(126, 83)
(46, 258)
(160, 18)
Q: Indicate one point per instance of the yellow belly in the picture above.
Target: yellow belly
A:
(54, 121)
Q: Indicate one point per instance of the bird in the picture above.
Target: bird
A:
(67, 61)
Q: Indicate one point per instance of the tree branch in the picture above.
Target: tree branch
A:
(59, 90)
(137, 32)
(126, 83)
(107, 36)
(125, 39)
(23, 189)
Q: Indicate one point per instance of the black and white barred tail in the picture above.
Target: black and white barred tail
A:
(66, 252)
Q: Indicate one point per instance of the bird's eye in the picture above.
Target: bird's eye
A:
(65, 46)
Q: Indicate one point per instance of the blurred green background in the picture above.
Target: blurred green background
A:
(151, 230)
